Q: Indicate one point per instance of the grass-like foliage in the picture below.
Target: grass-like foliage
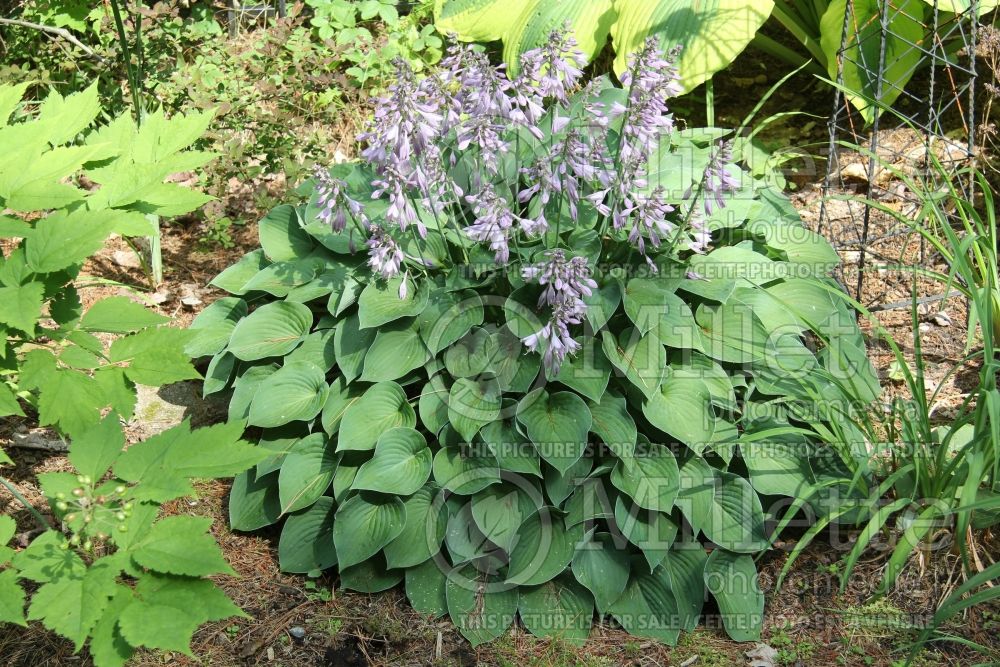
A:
(110, 572)
(540, 352)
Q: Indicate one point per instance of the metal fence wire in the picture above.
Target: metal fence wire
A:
(933, 113)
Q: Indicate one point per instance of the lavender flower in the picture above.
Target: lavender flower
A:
(401, 210)
(701, 235)
(331, 195)
(652, 79)
(384, 255)
(650, 220)
(493, 224)
(566, 283)
(555, 67)
(717, 181)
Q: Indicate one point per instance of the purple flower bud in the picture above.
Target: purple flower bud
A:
(385, 257)
(718, 180)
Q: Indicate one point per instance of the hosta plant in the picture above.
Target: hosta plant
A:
(104, 570)
(540, 353)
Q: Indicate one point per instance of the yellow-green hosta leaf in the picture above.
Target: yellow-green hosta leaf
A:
(711, 32)
(589, 24)
(478, 20)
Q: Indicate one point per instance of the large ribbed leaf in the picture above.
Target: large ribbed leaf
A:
(684, 566)
(383, 301)
(273, 330)
(559, 608)
(647, 608)
(306, 472)
(482, 606)
(295, 392)
(426, 519)
(544, 548)
(473, 403)
(589, 23)
(306, 543)
(364, 524)
(650, 478)
(603, 568)
(557, 424)
(653, 532)
(732, 579)
(396, 350)
(711, 32)
(401, 465)
(382, 407)
(478, 20)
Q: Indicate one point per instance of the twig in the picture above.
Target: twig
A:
(61, 32)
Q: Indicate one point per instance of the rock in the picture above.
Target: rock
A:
(762, 655)
(942, 319)
(126, 259)
(297, 632)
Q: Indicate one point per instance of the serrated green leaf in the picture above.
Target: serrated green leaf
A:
(71, 606)
(11, 599)
(155, 357)
(20, 307)
(119, 314)
(93, 452)
(181, 545)
(45, 560)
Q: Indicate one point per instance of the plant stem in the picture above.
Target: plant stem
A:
(42, 522)
(60, 32)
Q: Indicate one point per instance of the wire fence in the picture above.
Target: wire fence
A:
(931, 82)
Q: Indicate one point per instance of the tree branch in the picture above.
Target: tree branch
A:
(61, 32)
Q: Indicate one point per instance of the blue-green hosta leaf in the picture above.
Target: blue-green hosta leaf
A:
(560, 608)
(433, 404)
(396, 350)
(281, 235)
(590, 501)
(370, 576)
(273, 330)
(560, 485)
(364, 524)
(214, 326)
(652, 479)
(603, 303)
(400, 466)
(682, 408)
(587, 371)
(499, 510)
(640, 358)
(318, 349)
(383, 406)
(513, 451)
(557, 424)
(732, 580)
(648, 608)
(732, 333)
(653, 305)
(340, 399)
(684, 566)
(423, 532)
(614, 425)
(472, 355)
(295, 392)
(236, 276)
(380, 301)
(254, 501)
(481, 605)
(119, 314)
(449, 316)
(653, 532)
(464, 474)
(473, 403)
(306, 542)
(602, 568)
(351, 344)
(425, 588)
(306, 472)
(544, 547)
(735, 519)
(245, 387)
(711, 33)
